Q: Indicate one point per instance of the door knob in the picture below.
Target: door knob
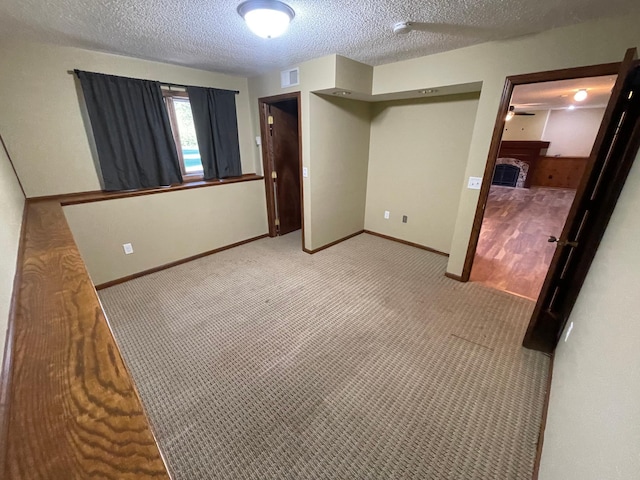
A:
(553, 239)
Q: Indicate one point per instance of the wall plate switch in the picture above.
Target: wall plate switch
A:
(258, 141)
(404, 219)
(305, 172)
(386, 214)
(475, 183)
(128, 248)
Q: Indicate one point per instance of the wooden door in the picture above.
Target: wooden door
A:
(613, 153)
(284, 149)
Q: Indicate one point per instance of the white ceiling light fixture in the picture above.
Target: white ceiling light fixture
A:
(580, 95)
(402, 28)
(266, 18)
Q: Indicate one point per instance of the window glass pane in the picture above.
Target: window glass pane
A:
(190, 151)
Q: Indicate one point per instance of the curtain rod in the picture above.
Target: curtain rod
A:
(75, 71)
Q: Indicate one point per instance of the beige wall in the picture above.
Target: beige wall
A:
(593, 425)
(11, 208)
(419, 151)
(340, 142)
(526, 127)
(165, 227)
(572, 132)
(48, 139)
(353, 76)
(45, 131)
(317, 74)
(590, 43)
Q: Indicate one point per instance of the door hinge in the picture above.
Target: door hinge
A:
(277, 222)
(270, 119)
(274, 175)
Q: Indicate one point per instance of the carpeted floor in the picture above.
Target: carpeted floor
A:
(359, 362)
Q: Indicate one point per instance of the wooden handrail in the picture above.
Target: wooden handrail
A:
(73, 409)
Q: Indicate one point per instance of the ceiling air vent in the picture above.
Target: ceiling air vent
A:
(290, 78)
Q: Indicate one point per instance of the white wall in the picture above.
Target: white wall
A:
(593, 425)
(418, 154)
(526, 127)
(572, 132)
(11, 209)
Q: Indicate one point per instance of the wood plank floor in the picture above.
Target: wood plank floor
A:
(513, 254)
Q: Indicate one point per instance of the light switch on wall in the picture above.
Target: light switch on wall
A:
(305, 172)
(258, 141)
(128, 248)
(475, 183)
(386, 214)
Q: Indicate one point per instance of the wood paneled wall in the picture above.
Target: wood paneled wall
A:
(559, 172)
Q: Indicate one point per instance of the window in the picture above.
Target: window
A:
(184, 133)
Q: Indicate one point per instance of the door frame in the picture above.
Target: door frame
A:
(510, 83)
(267, 161)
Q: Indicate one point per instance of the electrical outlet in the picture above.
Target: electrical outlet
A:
(475, 183)
(386, 214)
(305, 172)
(404, 219)
(128, 248)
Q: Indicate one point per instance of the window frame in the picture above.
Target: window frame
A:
(168, 96)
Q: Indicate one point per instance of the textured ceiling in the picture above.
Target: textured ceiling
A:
(209, 34)
(554, 95)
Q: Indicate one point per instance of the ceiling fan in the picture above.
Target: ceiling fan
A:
(512, 109)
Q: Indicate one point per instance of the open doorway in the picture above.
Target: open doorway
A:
(282, 162)
(544, 150)
(609, 163)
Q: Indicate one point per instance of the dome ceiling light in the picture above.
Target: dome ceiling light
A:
(580, 95)
(266, 18)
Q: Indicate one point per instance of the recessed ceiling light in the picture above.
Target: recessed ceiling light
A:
(266, 18)
(342, 92)
(580, 95)
(571, 107)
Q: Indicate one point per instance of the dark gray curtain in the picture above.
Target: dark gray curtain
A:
(216, 123)
(132, 132)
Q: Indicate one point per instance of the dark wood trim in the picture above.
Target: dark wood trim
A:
(99, 196)
(566, 74)
(7, 360)
(324, 247)
(612, 155)
(267, 162)
(543, 422)
(405, 242)
(507, 91)
(267, 168)
(118, 281)
(72, 405)
(453, 276)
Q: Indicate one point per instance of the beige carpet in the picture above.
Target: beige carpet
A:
(360, 362)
